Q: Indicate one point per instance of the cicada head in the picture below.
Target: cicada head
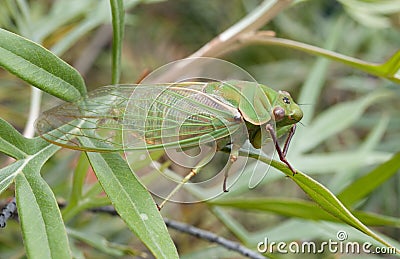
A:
(285, 111)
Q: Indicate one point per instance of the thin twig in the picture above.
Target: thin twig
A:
(249, 24)
(7, 212)
(197, 232)
(10, 209)
(36, 94)
(211, 237)
(34, 110)
(228, 40)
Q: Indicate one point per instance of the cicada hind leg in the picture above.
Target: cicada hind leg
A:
(186, 179)
(236, 139)
(237, 142)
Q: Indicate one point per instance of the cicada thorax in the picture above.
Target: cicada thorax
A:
(255, 135)
(252, 102)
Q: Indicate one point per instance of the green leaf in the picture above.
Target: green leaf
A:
(286, 207)
(375, 14)
(133, 202)
(42, 226)
(117, 11)
(323, 197)
(80, 175)
(361, 187)
(96, 14)
(61, 13)
(392, 66)
(39, 67)
(301, 209)
(374, 219)
(12, 142)
(15, 145)
(8, 174)
(96, 241)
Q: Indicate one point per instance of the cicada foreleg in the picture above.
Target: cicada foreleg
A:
(288, 139)
(282, 154)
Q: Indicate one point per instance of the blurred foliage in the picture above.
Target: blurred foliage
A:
(158, 32)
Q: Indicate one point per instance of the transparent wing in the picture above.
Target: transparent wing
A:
(128, 117)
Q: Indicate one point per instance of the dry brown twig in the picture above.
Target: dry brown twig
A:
(232, 38)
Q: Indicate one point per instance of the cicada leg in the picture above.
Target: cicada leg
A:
(186, 179)
(232, 158)
(238, 140)
(288, 139)
(282, 154)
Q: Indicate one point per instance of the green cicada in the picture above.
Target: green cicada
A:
(177, 115)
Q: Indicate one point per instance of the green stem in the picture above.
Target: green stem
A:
(117, 11)
(387, 70)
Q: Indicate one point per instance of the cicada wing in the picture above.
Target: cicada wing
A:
(129, 117)
(174, 116)
(95, 121)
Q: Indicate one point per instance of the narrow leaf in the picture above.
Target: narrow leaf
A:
(12, 142)
(369, 182)
(323, 197)
(392, 66)
(8, 173)
(133, 203)
(374, 219)
(286, 207)
(39, 67)
(43, 229)
(301, 209)
(34, 151)
(80, 175)
(96, 241)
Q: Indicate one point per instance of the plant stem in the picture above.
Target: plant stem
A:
(117, 10)
(376, 69)
(223, 42)
(251, 23)
(34, 111)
